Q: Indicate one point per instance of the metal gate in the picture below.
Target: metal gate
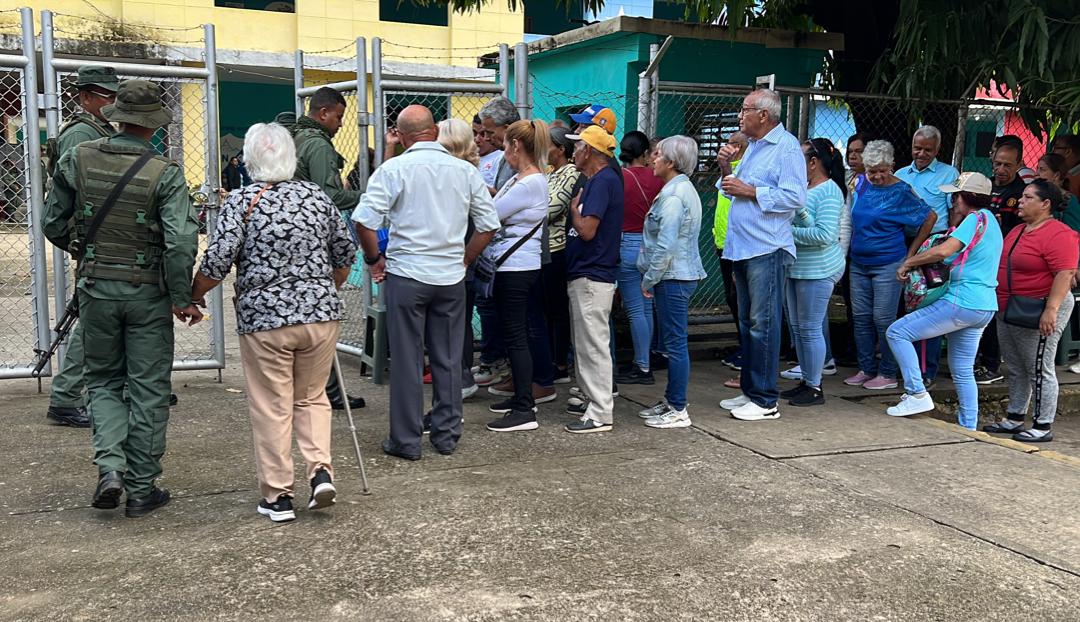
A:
(363, 331)
(24, 293)
(192, 140)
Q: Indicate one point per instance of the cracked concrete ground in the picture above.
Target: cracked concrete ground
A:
(831, 513)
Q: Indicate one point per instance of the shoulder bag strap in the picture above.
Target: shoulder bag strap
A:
(106, 207)
(640, 189)
(254, 200)
(1008, 261)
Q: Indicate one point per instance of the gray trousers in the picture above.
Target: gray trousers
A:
(1019, 347)
(418, 313)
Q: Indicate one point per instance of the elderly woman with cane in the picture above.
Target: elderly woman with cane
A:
(1034, 278)
(292, 251)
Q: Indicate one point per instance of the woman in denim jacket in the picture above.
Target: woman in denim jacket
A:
(671, 267)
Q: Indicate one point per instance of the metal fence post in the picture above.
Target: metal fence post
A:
(362, 112)
(52, 130)
(504, 69)
(959, 147)
(298, 81)
(804, 117)
(790, 122)
(39, 280)
(521, 80)
(213, 174)
(377, 101)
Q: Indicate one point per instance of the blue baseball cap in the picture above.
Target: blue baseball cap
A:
(596, 114)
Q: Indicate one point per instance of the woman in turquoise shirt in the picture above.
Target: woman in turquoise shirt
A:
(974, 250)
(819, 264)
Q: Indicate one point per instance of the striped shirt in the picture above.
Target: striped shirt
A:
(816, 230)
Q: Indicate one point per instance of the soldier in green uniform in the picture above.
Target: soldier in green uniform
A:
(317, 161)
(135, 260)
(286, 120)
(97, 88)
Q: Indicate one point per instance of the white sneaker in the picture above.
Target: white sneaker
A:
(911, 405)
(735, 402)
(795, 373)
(752, 412)
(1075, 367)
(670, 419)
(467, 392)
(655, 410)
(830, 368)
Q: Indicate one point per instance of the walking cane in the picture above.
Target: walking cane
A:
(352, 425)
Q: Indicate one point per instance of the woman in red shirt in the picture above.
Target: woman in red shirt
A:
(640, 187)
(1039, 261)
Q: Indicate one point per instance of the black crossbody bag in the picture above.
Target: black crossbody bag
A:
(1022, 311)
(485, 268)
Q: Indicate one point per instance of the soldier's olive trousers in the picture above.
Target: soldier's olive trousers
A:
(68, 385)
(128, 341)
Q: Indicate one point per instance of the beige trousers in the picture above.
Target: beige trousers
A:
(590, 311)
(285, 370)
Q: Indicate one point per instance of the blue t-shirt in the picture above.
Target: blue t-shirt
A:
(597, 259)
(878, 219)
(973, 285)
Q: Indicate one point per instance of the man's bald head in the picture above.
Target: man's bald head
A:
(416, 124)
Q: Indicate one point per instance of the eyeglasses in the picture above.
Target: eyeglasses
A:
(746, 109)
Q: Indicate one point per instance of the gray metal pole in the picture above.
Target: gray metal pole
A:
(362, 111)
(790, 113)
(504, 69)
(654, 90)
(521, 80)
(298, 81)
(377, 102)
(804, 117)
(52, 130)
(213, 174)
(961, 137)
(39, 280)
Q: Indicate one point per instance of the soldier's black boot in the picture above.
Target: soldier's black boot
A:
(333, 392)
(109, 488)
(71, 417)
(158, 497)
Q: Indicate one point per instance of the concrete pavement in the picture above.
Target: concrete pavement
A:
(834, 513)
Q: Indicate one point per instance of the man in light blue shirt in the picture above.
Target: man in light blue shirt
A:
(428, 197)
(766, 191)
(925, 175)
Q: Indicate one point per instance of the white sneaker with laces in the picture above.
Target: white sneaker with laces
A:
(830, 368)
(467, 392)
(1075, 367)
(735, 402)
(752, 412)
(670, 419)
(911, 405)
(655, 410)
(795, 373)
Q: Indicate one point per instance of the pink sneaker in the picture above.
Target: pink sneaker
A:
(858, 379)
(880, 383)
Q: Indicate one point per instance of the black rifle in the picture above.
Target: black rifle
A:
(63, 327)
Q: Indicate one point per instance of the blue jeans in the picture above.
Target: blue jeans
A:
(964, 328)
(491, 343)
(808, 304)
(639, 309)
(875, 294)
(760, 282)
(673, 312)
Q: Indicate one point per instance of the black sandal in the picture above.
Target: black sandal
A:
(1026, 437)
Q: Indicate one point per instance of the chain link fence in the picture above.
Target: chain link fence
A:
(555, 106)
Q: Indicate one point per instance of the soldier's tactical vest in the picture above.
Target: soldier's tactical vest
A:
(129, 243)
(52, 146)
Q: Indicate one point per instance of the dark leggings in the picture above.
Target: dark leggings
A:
(512, 299)
(557, 308)
(730, 295)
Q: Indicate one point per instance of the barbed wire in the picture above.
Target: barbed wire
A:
(347, 45)
(229, 70)
(419, 47)
(324, 65)
(108, 19)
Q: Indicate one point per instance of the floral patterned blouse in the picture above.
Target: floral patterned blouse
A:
(285, 255)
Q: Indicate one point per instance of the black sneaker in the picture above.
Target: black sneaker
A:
(928, 383)
(71, 417)
(578, 409)
(985, 376)
(636, 376)
(158, 497)
(323, 493)
(810, 396)
(587, 426)
(280, 511)
(614, 389)
(173, 400)
(515, 421)
(427, 422)
(798, 390)
(503, 407)
(562, 376)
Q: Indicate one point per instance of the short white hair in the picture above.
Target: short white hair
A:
(681, 151)
(878, 153)
(270, 153)
(928, 131)
(769, 101)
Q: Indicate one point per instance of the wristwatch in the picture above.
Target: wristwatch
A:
(373, 261)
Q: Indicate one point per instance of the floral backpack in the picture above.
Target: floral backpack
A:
(929, 283)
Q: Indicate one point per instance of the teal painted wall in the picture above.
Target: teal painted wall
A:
(243, 104)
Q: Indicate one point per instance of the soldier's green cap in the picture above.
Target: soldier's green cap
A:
(285, 118)
(102, 77)
(138, 102)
